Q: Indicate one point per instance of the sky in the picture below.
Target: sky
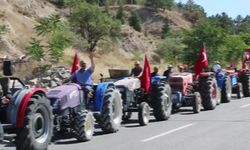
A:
(231, 7)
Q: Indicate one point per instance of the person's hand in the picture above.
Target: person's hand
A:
(91, 55)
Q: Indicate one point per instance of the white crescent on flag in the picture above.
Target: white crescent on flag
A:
(204, 57)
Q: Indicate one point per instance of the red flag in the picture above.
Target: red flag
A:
(246, 58)
(201, 63)
(75, 64)
(145, 78)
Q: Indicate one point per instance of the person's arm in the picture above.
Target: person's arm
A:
(91, 56)
(69, 79)
(140, 73)
(132, 73)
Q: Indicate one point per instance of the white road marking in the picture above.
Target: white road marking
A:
(244, 106)
(166, 133)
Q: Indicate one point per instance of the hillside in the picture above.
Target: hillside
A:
(20, 17)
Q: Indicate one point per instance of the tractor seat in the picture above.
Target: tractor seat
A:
(5, 86)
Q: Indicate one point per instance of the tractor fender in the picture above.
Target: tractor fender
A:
(14, 105)
(24, 103)
(234, 80)
(99, 95)
(220, 79)
(157, 79)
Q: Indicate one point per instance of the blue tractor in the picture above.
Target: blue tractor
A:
(227, 82)
(135, 99)
(74, 109)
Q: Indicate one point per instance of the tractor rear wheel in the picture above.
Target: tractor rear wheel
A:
(161, 101)
(245, 80)
(38, 125)
(208, 91)
(144, 113)
(226, 91)
(111, 115)
(84, 126)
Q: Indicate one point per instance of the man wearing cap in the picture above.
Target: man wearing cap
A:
(168, 71)
(137, 70)
(83, 76)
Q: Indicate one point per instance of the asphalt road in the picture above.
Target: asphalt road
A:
(225, 128)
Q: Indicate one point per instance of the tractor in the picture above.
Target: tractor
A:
(25, 112)
(224, 82)
(189, 92)
(244, 74)
(75, 112)
(184, 92)
(135, 99)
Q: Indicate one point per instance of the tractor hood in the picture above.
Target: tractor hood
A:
(65, 96)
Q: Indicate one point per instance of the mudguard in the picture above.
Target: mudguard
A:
(1, 132)
(234, 80)
(99, 95)
(220, 79)
(157, 79)
(14, 105)
(16, 110)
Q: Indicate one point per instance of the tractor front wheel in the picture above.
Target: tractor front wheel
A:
(144, 113)
(197, 102)
(84, 126)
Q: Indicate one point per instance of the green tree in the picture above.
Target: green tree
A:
(193, 12)
(58, 34)
(164, 4)
(91, 24)
(223, 21)
(135, 21)
(49, 25)
(120, 14)
(233, 48)
(213, 36)
(171, 50)
(35, 49)
(166, 27)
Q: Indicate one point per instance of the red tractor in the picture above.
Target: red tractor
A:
(189, 92)
(25, 112)
(244, 74)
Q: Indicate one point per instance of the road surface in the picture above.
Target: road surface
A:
(225, 128)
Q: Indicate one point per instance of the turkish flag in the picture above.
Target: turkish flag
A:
(201, 63)
(146, 76)
(75, 66)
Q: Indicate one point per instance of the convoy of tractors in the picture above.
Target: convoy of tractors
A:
(35, 116)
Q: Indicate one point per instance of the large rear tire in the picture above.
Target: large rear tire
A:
(245, 80)
(226, 91)
(84, 126)
(38, 125)
(160, 96)
(111, 115)
(208, 91)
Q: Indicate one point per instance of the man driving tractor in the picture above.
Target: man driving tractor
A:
(83, 76)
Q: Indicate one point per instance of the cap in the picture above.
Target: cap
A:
(137, 62)
(170, 66)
